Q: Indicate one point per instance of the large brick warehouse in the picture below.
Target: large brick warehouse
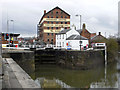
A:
(51, 23)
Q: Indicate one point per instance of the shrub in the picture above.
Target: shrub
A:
(112, 49)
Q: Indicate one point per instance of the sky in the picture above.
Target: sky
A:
(98, 15)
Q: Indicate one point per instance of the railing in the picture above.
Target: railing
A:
(40, 46)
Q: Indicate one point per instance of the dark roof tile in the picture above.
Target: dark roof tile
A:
(76, 37)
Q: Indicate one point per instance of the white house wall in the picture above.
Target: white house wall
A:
(61, 40)
(75, 45)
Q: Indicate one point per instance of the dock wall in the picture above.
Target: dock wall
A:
(72, 59)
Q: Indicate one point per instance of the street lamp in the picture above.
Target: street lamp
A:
(80, 29)
(8, 24)
(13, 30)
(8, 27)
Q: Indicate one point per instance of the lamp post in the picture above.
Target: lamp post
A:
(8, 24)
(13, 30)
(80, 29)
(8, 27)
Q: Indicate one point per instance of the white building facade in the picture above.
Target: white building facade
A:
(74, 41)
(70, 39)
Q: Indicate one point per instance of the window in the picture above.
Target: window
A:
(60, 44)
(56, 22)
(48, 40)
(52, 34)
(52, 40)
(48, 34)
(48, 22)
(65, 22)
(56, 16)
(65, 27)
(63, 44)
(65, 16)
(51, 16)
(51, 22)
(61, 22)
(61, 16)
(56, 12)
(63, 36)
(61, 12)
(51, 27)
(56, 27)
(47, 16)
(48, 27)
(57, 44)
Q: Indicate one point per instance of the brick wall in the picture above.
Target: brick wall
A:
(56, 13)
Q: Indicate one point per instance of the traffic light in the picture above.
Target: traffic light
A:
(7, 36)
(11, 41)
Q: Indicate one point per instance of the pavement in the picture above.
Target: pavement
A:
(9, 78)
(15, 76)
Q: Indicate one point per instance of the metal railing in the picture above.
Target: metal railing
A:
(39, 46)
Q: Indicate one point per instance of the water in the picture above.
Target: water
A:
(52, 76)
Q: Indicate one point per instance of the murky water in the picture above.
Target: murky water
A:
(53, 76)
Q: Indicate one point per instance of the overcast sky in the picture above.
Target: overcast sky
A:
(99, 15)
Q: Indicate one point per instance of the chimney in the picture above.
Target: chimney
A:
(84, 26)
(73, 27)
(44, 11)
(99, 33)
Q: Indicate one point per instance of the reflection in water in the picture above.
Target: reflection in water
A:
(110, 79)
(119, 80)
(54, 76)
(118, 67)
(55, 83)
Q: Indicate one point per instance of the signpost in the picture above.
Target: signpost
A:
(80, 44)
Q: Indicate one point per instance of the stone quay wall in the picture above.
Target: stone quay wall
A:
(73, 59)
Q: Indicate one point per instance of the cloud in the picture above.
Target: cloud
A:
(99, 15)
(93, 20)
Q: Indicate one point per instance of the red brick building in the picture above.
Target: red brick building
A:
(85, 33)
(98, 38)
(51, 23)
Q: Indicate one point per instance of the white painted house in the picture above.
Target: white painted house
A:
(75, 40)
(70, 39)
